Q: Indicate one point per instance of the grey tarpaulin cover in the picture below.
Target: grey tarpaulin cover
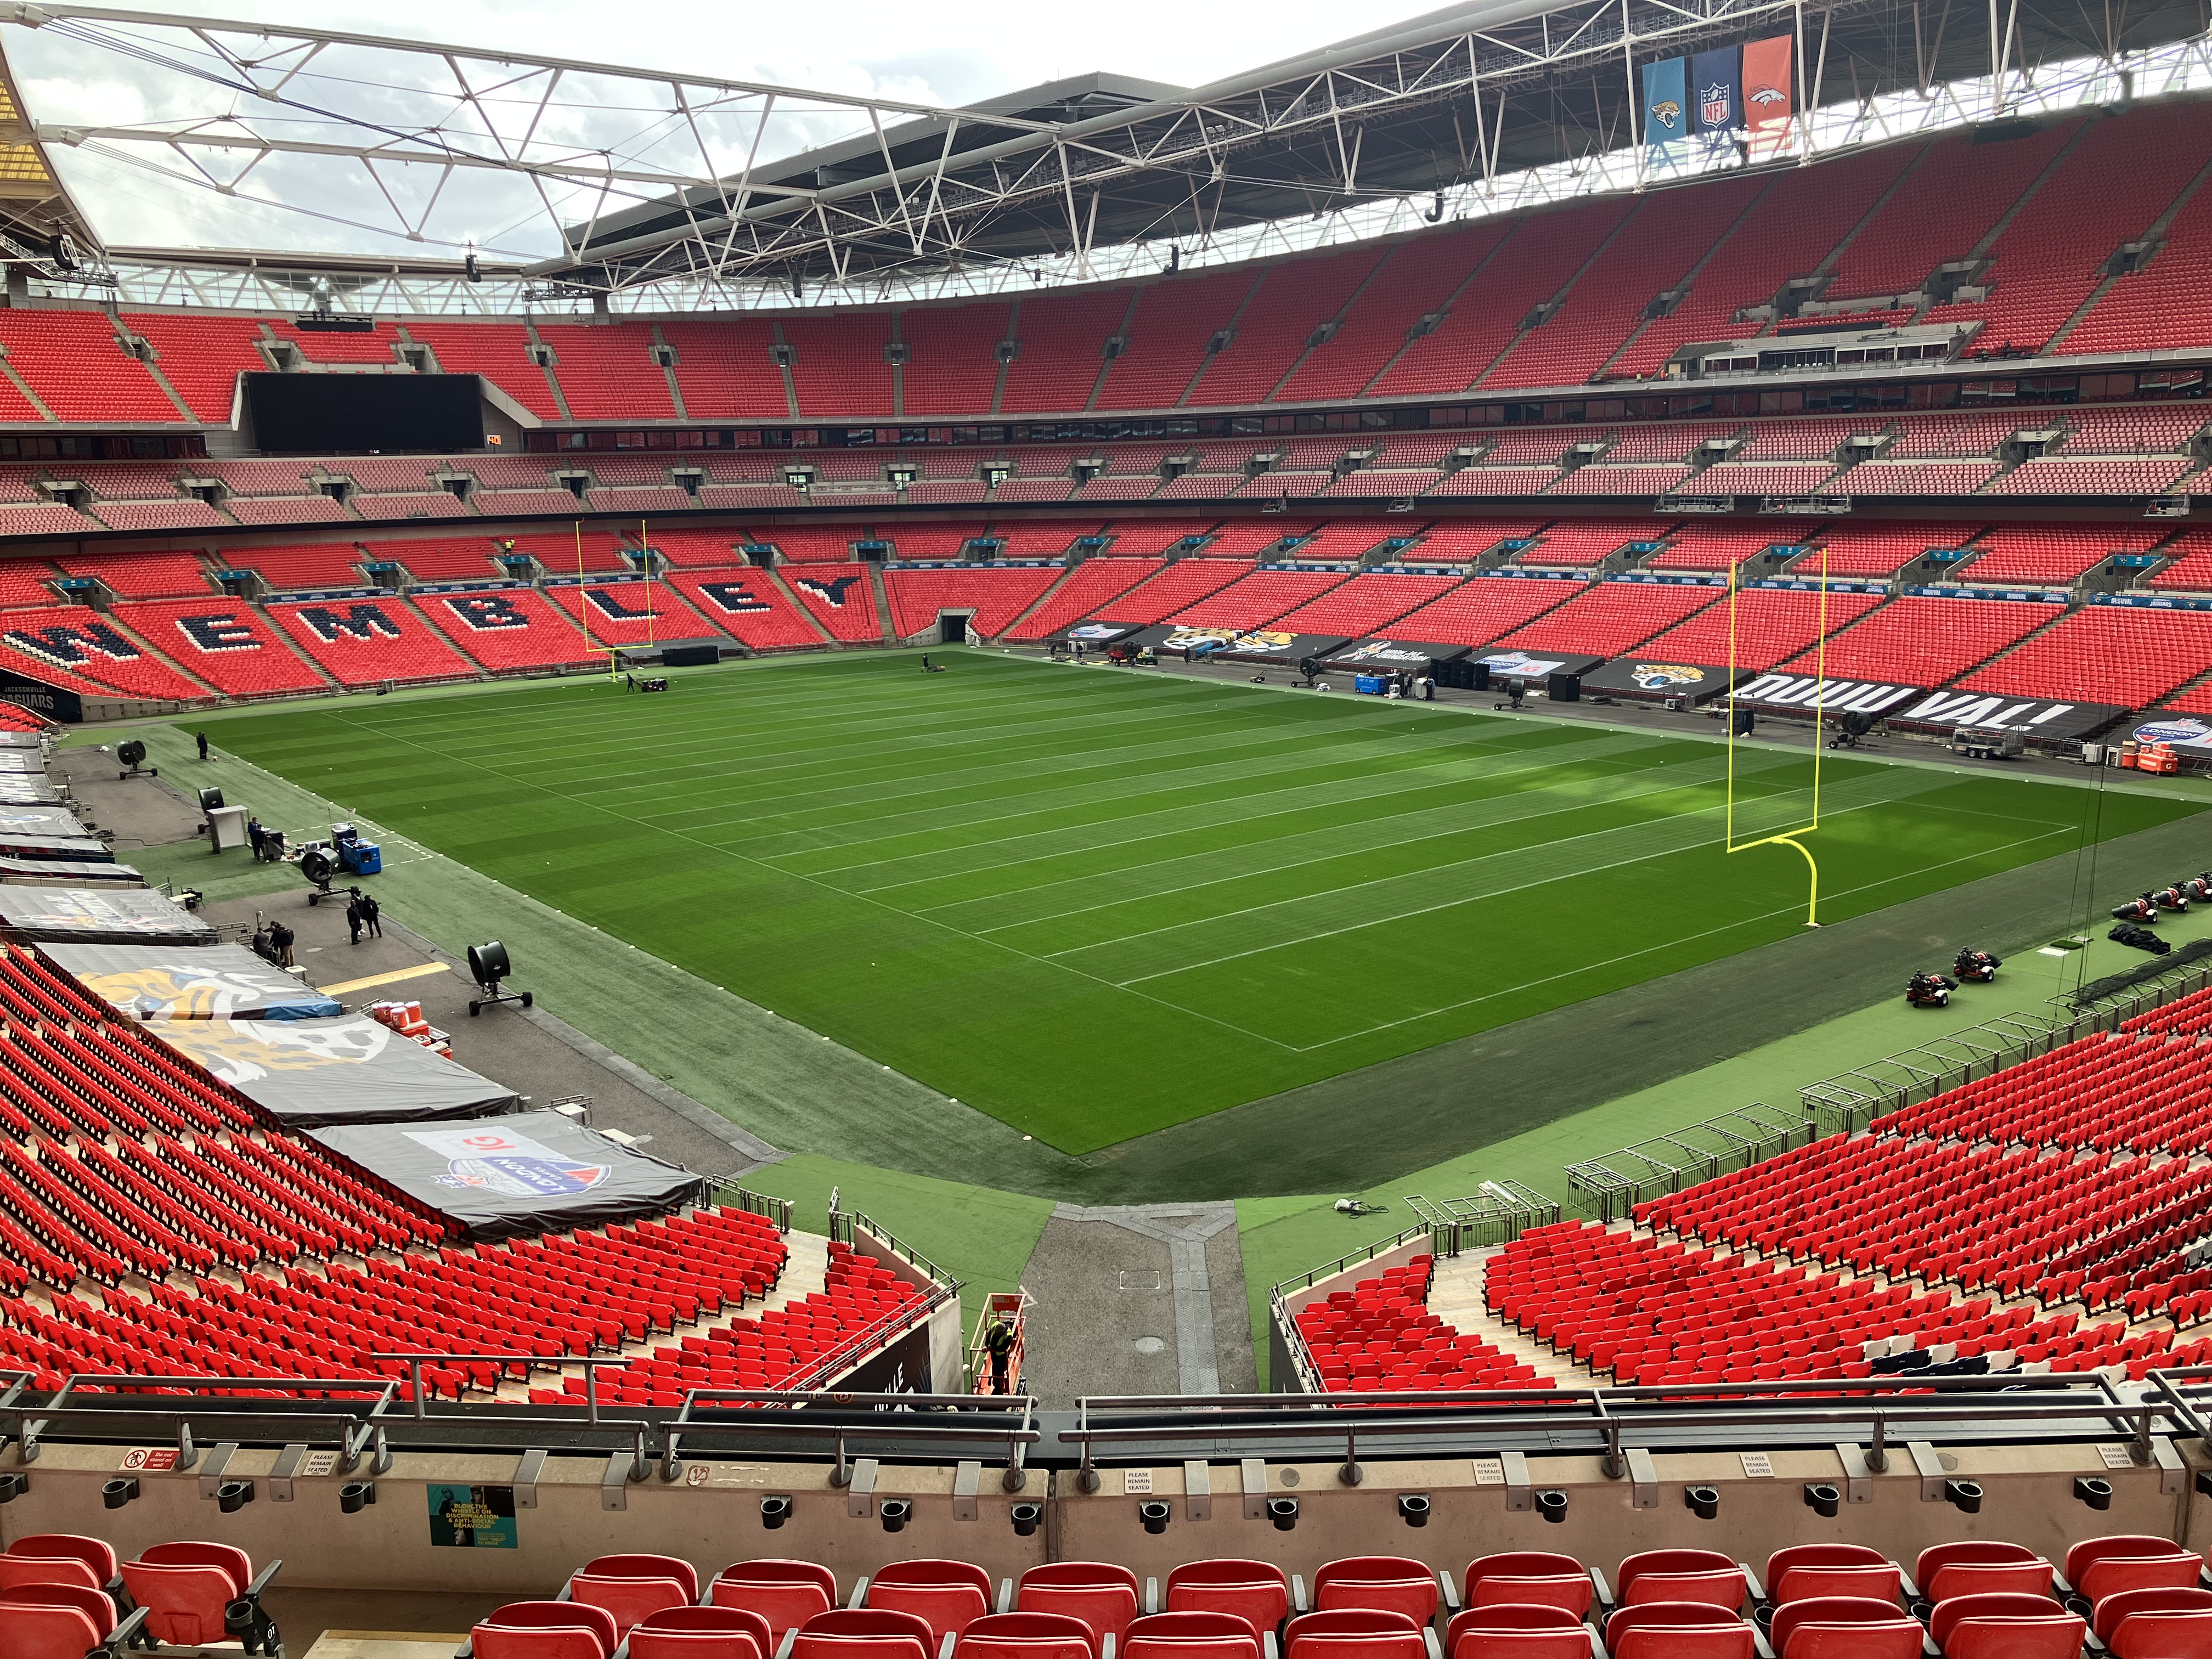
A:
(22, 762)
(207, 981)
(308, 1072)
(29, 791)
(34, 832)
(113, 915)
(528, 1173)
(59, 872)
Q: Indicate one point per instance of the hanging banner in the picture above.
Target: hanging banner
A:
(1665, 119)
(1716, 94)
(1768, 98)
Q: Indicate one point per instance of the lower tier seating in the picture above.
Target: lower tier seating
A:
(225, 643)
(997, 596)
(367, 642)
(841, 598)
(746, 604)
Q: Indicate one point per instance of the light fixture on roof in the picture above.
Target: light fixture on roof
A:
(470, 268)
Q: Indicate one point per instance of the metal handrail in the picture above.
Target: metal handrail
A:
(896, 1412)
(727, 1192)
(852, 1219)
(357, 1432)
(1365, 1253)
(416, 1361)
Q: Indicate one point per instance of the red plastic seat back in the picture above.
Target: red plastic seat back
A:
(864, 1633)
(674, 1567)
(1254, 1590)
(1844, 1627)
(1522, 1630)
(546, 1630)
(786, 1594)
(1804, 1571)
(2099, 1567)
(1995, 1611)
(96, 1555)
(185, 1587)
(1353, 1633)
(41, 1623)
(1529, 1575)
(44, 1570)
(1394, 1582)
(1102, 1595)
(2052, 1635)
(948, 1596)
(1027, 1636)
(2114, 1608)
(1191, 1635)
(627, 1598)
(1704, 1576)
(1677, 1630)
(1988, 1558)
(701, 1633)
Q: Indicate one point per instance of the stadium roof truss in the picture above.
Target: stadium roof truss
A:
(586, 180)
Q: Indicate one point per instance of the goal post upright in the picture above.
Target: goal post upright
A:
(1783, 837)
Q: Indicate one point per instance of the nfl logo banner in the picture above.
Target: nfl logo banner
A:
(1666, 114)
(1769, 101)
(1716, 90)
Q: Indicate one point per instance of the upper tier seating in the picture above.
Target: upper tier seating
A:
(1610, 617)
(1762, 627)
(747, 604)
(317, 564)
(2054, 554)
(142, 575)
(498, 351)
(1578, 543)
(1380, 1336)
(1875, 549)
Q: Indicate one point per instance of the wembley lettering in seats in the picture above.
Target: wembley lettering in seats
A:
(830, 589)
(735, 597)
(355, 622)
(69, 645)
(222, 630)
(608, 602)
(486, 612)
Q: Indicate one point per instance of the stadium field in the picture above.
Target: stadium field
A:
(1093, 902)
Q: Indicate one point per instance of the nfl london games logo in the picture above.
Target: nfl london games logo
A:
(1713, 104)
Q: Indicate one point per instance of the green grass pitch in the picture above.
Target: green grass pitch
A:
(1094, 902)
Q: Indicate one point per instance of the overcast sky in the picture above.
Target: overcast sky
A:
(938, 51)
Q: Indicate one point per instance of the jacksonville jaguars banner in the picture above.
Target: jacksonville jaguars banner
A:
(532, 1172)
(207, 981)
(308, 1072)
(1653, 679)
(1666, 119)
(1769, 98)
(85, 916)
(1717, 94)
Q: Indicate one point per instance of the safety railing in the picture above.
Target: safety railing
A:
(1613, 1185)
(2117, 998)
(901, 1420)
(1850, 1100)
(725, 1191)
(1496, 1212)
(845, 1224)
(230, 1400)
(1882, 1415)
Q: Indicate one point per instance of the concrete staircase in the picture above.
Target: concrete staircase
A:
(1455, 1296)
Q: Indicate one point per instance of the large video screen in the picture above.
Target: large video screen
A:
(363, 414)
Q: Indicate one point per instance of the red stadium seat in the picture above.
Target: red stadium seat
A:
(59, 1621)
(2005, 1625)
(1191, 1635)
(1027, 1636)
(1353, 1633)
(947, 1596)
(1678, 1629)
(1517, 1630)
(1523, 1576)
(2156, 1624)
(1980, 1567)
(1844, 1627)
(785, 1593)
(545, 1630)
(1805, 1571)
(701, 1633)
(2099, 1567)
(185, 1589)
(864, 1633)
(1103, 1596)
(59, 1558)
(1704, 1576)
(631, 1587)
(1393, 1582)
(1258, 1591)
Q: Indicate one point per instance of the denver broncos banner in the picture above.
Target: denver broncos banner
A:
(530, 1172)
(1768, 96)
(1716, 93)
(1666, 119)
